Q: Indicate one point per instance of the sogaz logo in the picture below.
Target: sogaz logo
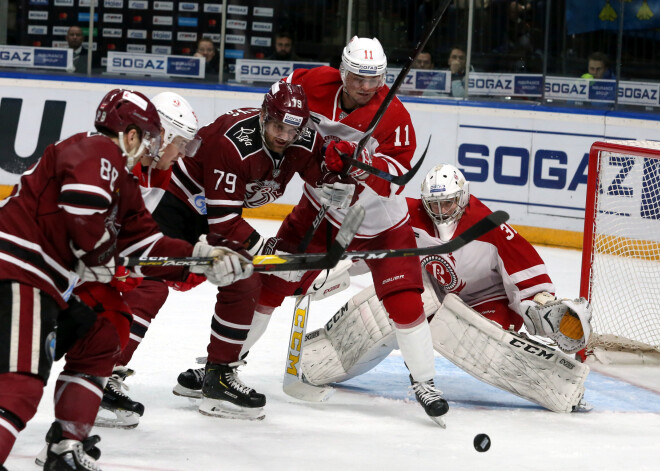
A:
(136, 34)
(163, 20)
(235, 39)
(164, 6)
(142, 48)
(262, 26)
(138, 63)
(38, 15)
(113, 3)
(237, 10)
(15, 56)
(161, 35)
(37, 29)
(188, 6)
(60, 31)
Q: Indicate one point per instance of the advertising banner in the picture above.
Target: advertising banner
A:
(252, 70)
(36, 57)
(438, 81)
(155, 64)
(491, 84)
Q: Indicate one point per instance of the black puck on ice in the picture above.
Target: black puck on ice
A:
(481, 442)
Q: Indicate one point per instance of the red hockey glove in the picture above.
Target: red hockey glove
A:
(335, 163)
(189, 283)
(122, 282)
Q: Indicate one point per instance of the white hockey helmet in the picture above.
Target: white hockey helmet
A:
(177, 118)
(364, 56)
(445, 193)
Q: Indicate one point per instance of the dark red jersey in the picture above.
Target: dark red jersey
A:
(233, 170)
(78, 196)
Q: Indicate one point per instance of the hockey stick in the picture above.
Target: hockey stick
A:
(372, 126)
(293, 382)
(272, 263)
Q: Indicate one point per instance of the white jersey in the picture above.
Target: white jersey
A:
(499, 265)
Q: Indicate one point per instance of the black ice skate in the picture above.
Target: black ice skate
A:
(224, 395)
(189, 383)
(431, 400)
(70, 455)
(117, 409)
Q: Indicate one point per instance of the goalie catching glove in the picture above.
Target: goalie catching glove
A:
(231, 264)
(334, 162)
(566, 321)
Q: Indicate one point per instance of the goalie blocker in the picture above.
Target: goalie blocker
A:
(359, 336)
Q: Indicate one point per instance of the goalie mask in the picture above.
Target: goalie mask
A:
(364, 57)
(284, 114)
(123, 110)
(179, 123)
(445, 194)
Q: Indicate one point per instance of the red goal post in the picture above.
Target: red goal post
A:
(621, 250)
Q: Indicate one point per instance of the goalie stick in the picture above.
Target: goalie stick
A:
(272, 263)
(372, 127)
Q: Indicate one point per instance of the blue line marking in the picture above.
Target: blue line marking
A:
(525, 203)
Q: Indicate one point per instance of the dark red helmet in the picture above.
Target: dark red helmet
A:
(287, 103)
(120, 109)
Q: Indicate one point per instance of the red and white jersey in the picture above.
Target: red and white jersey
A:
(233, 170)
(391, 146)
(153, 183)
(79, 194)
(498, 265)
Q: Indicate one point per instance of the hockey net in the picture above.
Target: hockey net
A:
(621, 252)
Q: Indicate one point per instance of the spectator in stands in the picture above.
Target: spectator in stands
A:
(598, 67)
(423, 61)
(206, 49)
(284, 50)
(74, 38)
(456, 61)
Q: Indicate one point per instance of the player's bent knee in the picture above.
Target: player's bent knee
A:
(405, 308)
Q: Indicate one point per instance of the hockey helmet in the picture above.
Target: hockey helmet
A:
(286, 103)
(178, 119)
(120, 110)
(445, 193)
(365, 57)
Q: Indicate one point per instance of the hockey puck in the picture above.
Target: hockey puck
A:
(481, 442)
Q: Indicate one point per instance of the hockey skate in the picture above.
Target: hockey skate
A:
(189, 383)
(117, 409)
(69, 455)
(582, 406)
(224, 395)
(431, 400)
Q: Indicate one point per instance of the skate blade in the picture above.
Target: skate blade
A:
(583, 406)
(40, 460)
(227, 410)
(179, 390)
(439, 420)
(116, 419)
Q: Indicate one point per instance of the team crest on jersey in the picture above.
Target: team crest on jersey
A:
(261, 192)
(306, 139)
(245, 136)
(442, 269)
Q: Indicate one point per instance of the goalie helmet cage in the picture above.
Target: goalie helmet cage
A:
(621, 250)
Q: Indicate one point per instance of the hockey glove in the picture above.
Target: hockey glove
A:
(335, 163)
(189, 283)
(229, 265)
(338, 191)
(123, 282)
(72, 323)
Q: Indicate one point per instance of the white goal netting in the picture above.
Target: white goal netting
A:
(625, 255)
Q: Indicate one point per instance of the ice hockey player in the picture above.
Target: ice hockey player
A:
(477, 299)
(342, 104)
(247, 158)
(179, 139)
(69, 217)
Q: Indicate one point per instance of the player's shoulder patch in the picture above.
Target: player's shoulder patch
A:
(245, 136)
(306, 139)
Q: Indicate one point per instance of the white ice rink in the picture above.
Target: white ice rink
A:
(369, 423)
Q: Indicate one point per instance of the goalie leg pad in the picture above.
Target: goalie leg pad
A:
(506, 360)
(353, 341)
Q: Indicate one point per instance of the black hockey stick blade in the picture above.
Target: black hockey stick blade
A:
(306, 262)
(396, 179)
(272, 263)
(482, 227)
